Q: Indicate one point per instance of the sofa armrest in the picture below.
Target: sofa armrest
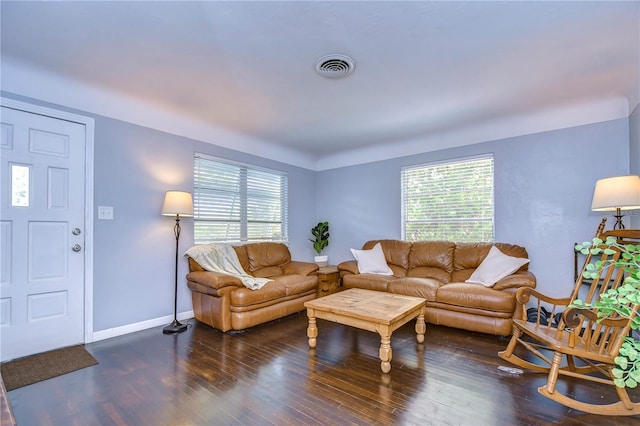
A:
(214, 280)
(348, 267)
(300, 268)
(517, 280)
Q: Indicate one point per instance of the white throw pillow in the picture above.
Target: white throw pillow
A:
(496, 266)
(372, 261)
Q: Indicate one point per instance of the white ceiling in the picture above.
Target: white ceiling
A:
(424, 69)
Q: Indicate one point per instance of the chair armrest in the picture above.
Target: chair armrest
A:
(572, 318)
(519, 279)
(614, 330)
(348, 267)
(525, 293)
(300, 268)
(538, 313)
(214, 280)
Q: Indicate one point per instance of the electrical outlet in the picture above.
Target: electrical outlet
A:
(105, 212)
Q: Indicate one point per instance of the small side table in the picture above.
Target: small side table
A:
(328, 280)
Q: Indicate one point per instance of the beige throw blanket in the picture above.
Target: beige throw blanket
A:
(223, 258)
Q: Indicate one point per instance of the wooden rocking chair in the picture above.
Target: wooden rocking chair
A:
(576, 334)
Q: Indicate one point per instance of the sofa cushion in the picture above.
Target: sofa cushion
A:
(494, 267)
(269, 292)
(468, 256)
(297, 284)
(515, 251)
(241, 251)
(367, 281)
(261, 255)
(395, 251)
(417, 287)
(268, 272)
(476, 296)
(427, 272)
(372, 261)
(516, 280)
(433, 254)
(286, 285)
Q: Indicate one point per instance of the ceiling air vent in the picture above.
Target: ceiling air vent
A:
(335, 66)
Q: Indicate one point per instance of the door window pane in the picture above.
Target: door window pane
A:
(20, 176)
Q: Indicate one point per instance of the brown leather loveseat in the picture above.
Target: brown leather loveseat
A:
(223, 302)
(437, 271)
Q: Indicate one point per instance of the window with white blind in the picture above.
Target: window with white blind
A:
(235, 202)
(450, 201)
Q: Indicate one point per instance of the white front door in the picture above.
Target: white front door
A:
(42, 227)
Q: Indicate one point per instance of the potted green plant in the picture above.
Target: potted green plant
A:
(619, 300)
(320, 233)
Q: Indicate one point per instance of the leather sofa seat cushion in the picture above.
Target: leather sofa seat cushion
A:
(268, 272)
(367, 281)
(425, 288)
(462, 275)
(429, 272)
(280, 287)
(476, 296)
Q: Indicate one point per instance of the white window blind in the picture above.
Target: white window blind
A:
(235, 202)
(450, 201)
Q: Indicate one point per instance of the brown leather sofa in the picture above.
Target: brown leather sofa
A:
(436, 271)
(223, 302)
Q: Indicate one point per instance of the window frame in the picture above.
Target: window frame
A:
(244, 222)
(455, 161)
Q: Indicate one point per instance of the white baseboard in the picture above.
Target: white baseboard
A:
(138, 326)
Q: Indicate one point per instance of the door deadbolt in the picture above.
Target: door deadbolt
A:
(76, 231)
(76, 247)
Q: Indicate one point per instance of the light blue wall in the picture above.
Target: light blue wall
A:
(134, 166)
(634, 156)
(544, 183)
(134, 252)
(543, 188)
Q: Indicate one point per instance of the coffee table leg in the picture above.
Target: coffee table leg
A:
(312, 330)
(421, 328)
(385, 353)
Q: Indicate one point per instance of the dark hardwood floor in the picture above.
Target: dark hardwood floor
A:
(268, 375)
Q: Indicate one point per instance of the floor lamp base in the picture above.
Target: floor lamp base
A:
(174, 327)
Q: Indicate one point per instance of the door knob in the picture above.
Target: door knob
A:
(76, 231)
(76, 247)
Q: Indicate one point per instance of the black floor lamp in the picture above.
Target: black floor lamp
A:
(176, 203)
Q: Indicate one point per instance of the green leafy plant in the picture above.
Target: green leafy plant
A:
(618, 301)
(321, 236)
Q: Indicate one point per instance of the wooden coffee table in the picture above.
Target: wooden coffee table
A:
(375, 311)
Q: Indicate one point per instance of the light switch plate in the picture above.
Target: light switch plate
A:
(105, 212)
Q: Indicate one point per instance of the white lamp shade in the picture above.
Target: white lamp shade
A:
(177, 203)
(621, 192)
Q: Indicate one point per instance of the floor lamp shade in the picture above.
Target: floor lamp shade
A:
(617, 194)
(176, 203)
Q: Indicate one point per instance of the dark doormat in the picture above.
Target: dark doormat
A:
(36, 368)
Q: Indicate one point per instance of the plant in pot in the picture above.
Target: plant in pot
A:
(320, 233)
(620, 302)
